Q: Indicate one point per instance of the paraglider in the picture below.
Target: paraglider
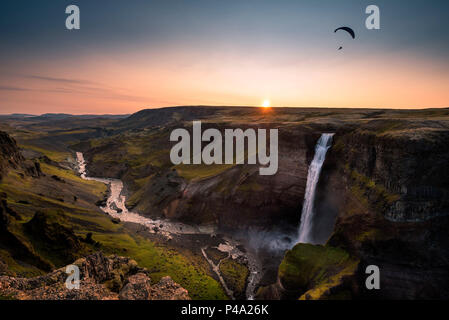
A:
(348, 30)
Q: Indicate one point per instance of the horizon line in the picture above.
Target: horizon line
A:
(223, 106)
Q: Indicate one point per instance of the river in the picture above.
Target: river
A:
(115, 207)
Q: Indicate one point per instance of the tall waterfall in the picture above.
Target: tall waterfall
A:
(305, 229)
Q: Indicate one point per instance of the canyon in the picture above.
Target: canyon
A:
(212, 153)
(381, 196)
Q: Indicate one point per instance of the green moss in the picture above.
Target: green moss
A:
(201, 171)
(135, 198)
(7, 297)
(142, 181)
(79, 131)
(371, 234)
(235, 274)
(162, 261)
(251, 187)
(18, 268)
(94, 187)
(52, 154)
(318, 268)
(364, 188)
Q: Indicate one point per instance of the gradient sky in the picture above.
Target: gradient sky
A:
(130, 55)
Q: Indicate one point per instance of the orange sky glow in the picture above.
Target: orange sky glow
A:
(127, 82)
(128, 56)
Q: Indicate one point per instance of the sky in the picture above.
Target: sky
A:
(136, 54)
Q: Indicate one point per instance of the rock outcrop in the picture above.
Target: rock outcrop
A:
(12, 158)
(101, 278)
(11, 240)
(138, 287)
(10, 155)
(50, 230)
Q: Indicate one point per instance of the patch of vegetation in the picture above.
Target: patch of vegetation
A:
(87, 229)
(52, 154)
(215, 255)
(235, 274)
(19, 267)
(53, 240)
(369, 193)
(162, 261)
(201, 171)
(313, 270)
(7, 297)
(94, 187)
(250, 187)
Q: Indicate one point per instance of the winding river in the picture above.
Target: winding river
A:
(115, 207)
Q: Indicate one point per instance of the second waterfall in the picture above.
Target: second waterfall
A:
(305, 229)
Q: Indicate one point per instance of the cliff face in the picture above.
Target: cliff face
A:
(391, 206)
(410, 165)
(387, 191)
(9, 153)
(241, 198)
(101, 278)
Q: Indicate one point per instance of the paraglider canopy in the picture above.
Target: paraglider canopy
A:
(348, 30)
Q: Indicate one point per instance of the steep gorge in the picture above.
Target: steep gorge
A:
(234, 198)
(381, 198)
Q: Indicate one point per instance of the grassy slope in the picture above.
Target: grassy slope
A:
(28, 195)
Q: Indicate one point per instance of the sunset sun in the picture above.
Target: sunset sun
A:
(266, 104)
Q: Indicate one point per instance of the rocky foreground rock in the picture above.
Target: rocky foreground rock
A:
(101, 278)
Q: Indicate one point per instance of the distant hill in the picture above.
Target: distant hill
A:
(58, 116)
(61, 116)
(164, 116)
(17, 116)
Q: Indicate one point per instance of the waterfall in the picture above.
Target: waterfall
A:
(305, 229)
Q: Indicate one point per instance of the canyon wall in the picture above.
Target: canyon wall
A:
(389, 193)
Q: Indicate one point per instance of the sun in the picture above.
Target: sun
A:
(266, 103)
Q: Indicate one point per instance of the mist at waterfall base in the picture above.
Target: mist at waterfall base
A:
(273, 241)
(317, 217)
